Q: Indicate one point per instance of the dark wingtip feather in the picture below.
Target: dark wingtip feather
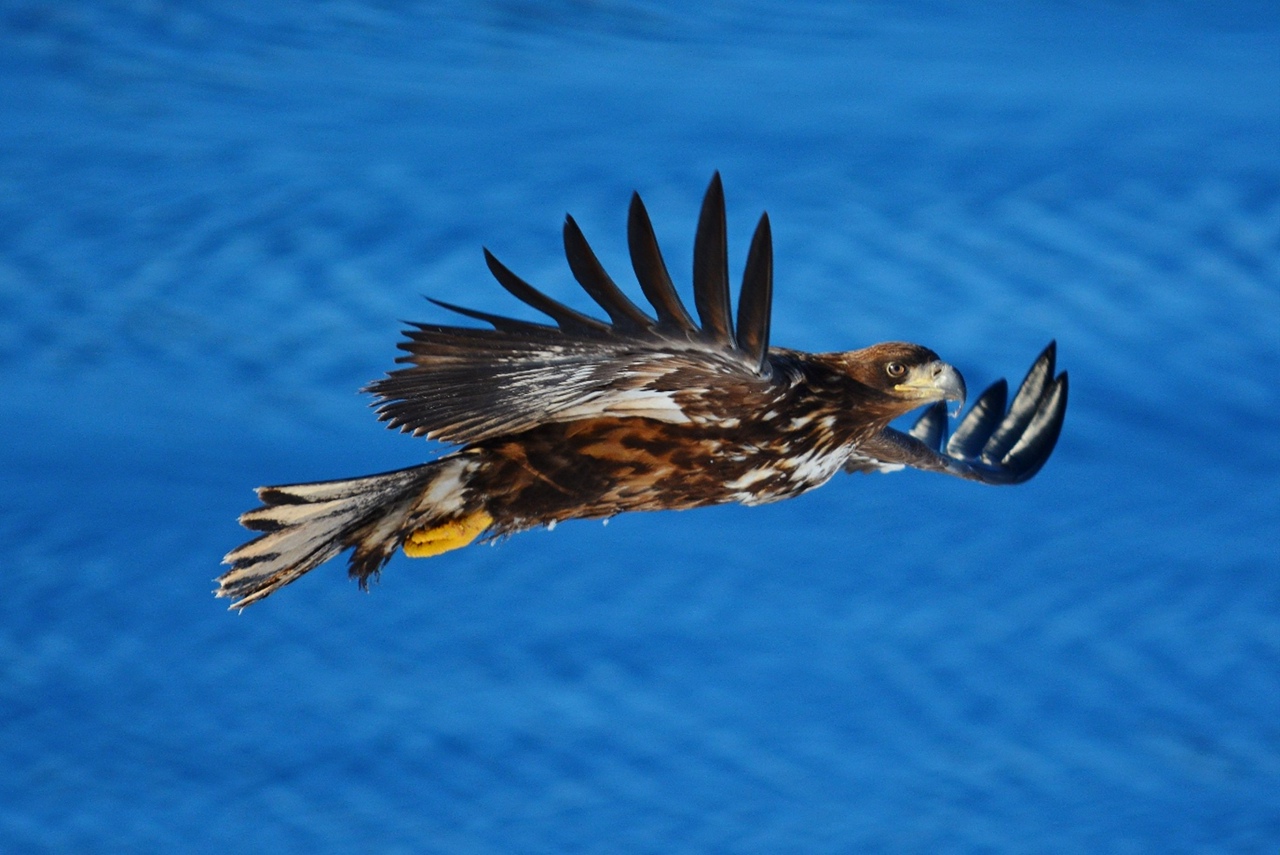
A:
(1034, 448)
(651, 271)
(980, 422)
(711, 266)
(931, 427)
(1029, 432)
(1023, 408)
(497, 321)
(755, 301)
(591, 275)
(568, 319)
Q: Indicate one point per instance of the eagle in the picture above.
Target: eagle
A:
(585, 418)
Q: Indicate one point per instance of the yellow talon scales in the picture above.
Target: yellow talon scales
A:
(455, 534)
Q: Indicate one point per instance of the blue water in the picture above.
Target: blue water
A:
(212, 223)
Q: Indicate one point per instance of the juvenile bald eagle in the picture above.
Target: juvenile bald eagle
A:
(587, 418)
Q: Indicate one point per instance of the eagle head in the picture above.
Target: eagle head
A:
(905, 375)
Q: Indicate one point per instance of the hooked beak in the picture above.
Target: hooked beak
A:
(934, 381)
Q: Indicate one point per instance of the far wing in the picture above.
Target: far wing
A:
(465, 384)
(991, 445)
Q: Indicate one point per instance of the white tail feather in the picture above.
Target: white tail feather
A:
(305, 525)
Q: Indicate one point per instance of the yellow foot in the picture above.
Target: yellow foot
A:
(455, 534)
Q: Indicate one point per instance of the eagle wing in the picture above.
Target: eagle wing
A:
(990, 445)
(470, 384)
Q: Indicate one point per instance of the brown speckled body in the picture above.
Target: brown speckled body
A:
(789, 443)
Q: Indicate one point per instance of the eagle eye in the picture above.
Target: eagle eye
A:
(895, 369)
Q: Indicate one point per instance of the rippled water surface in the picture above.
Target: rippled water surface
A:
(213, 222)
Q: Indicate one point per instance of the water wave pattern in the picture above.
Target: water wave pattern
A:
(212, 222)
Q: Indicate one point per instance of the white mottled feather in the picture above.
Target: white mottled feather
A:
(500, 384)
(305, 525)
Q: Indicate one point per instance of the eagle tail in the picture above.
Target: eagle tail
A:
(422, 509)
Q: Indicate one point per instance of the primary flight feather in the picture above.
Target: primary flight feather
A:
(585, 418)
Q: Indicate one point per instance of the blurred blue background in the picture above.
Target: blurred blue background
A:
(214, 217)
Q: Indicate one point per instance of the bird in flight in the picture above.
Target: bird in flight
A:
(586, 418)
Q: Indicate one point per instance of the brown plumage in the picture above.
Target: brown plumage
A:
(587, 418)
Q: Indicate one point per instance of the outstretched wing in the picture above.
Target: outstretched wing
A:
(465, 384)
(990, 444)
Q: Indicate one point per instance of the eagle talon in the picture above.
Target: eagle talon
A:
(455, 534)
